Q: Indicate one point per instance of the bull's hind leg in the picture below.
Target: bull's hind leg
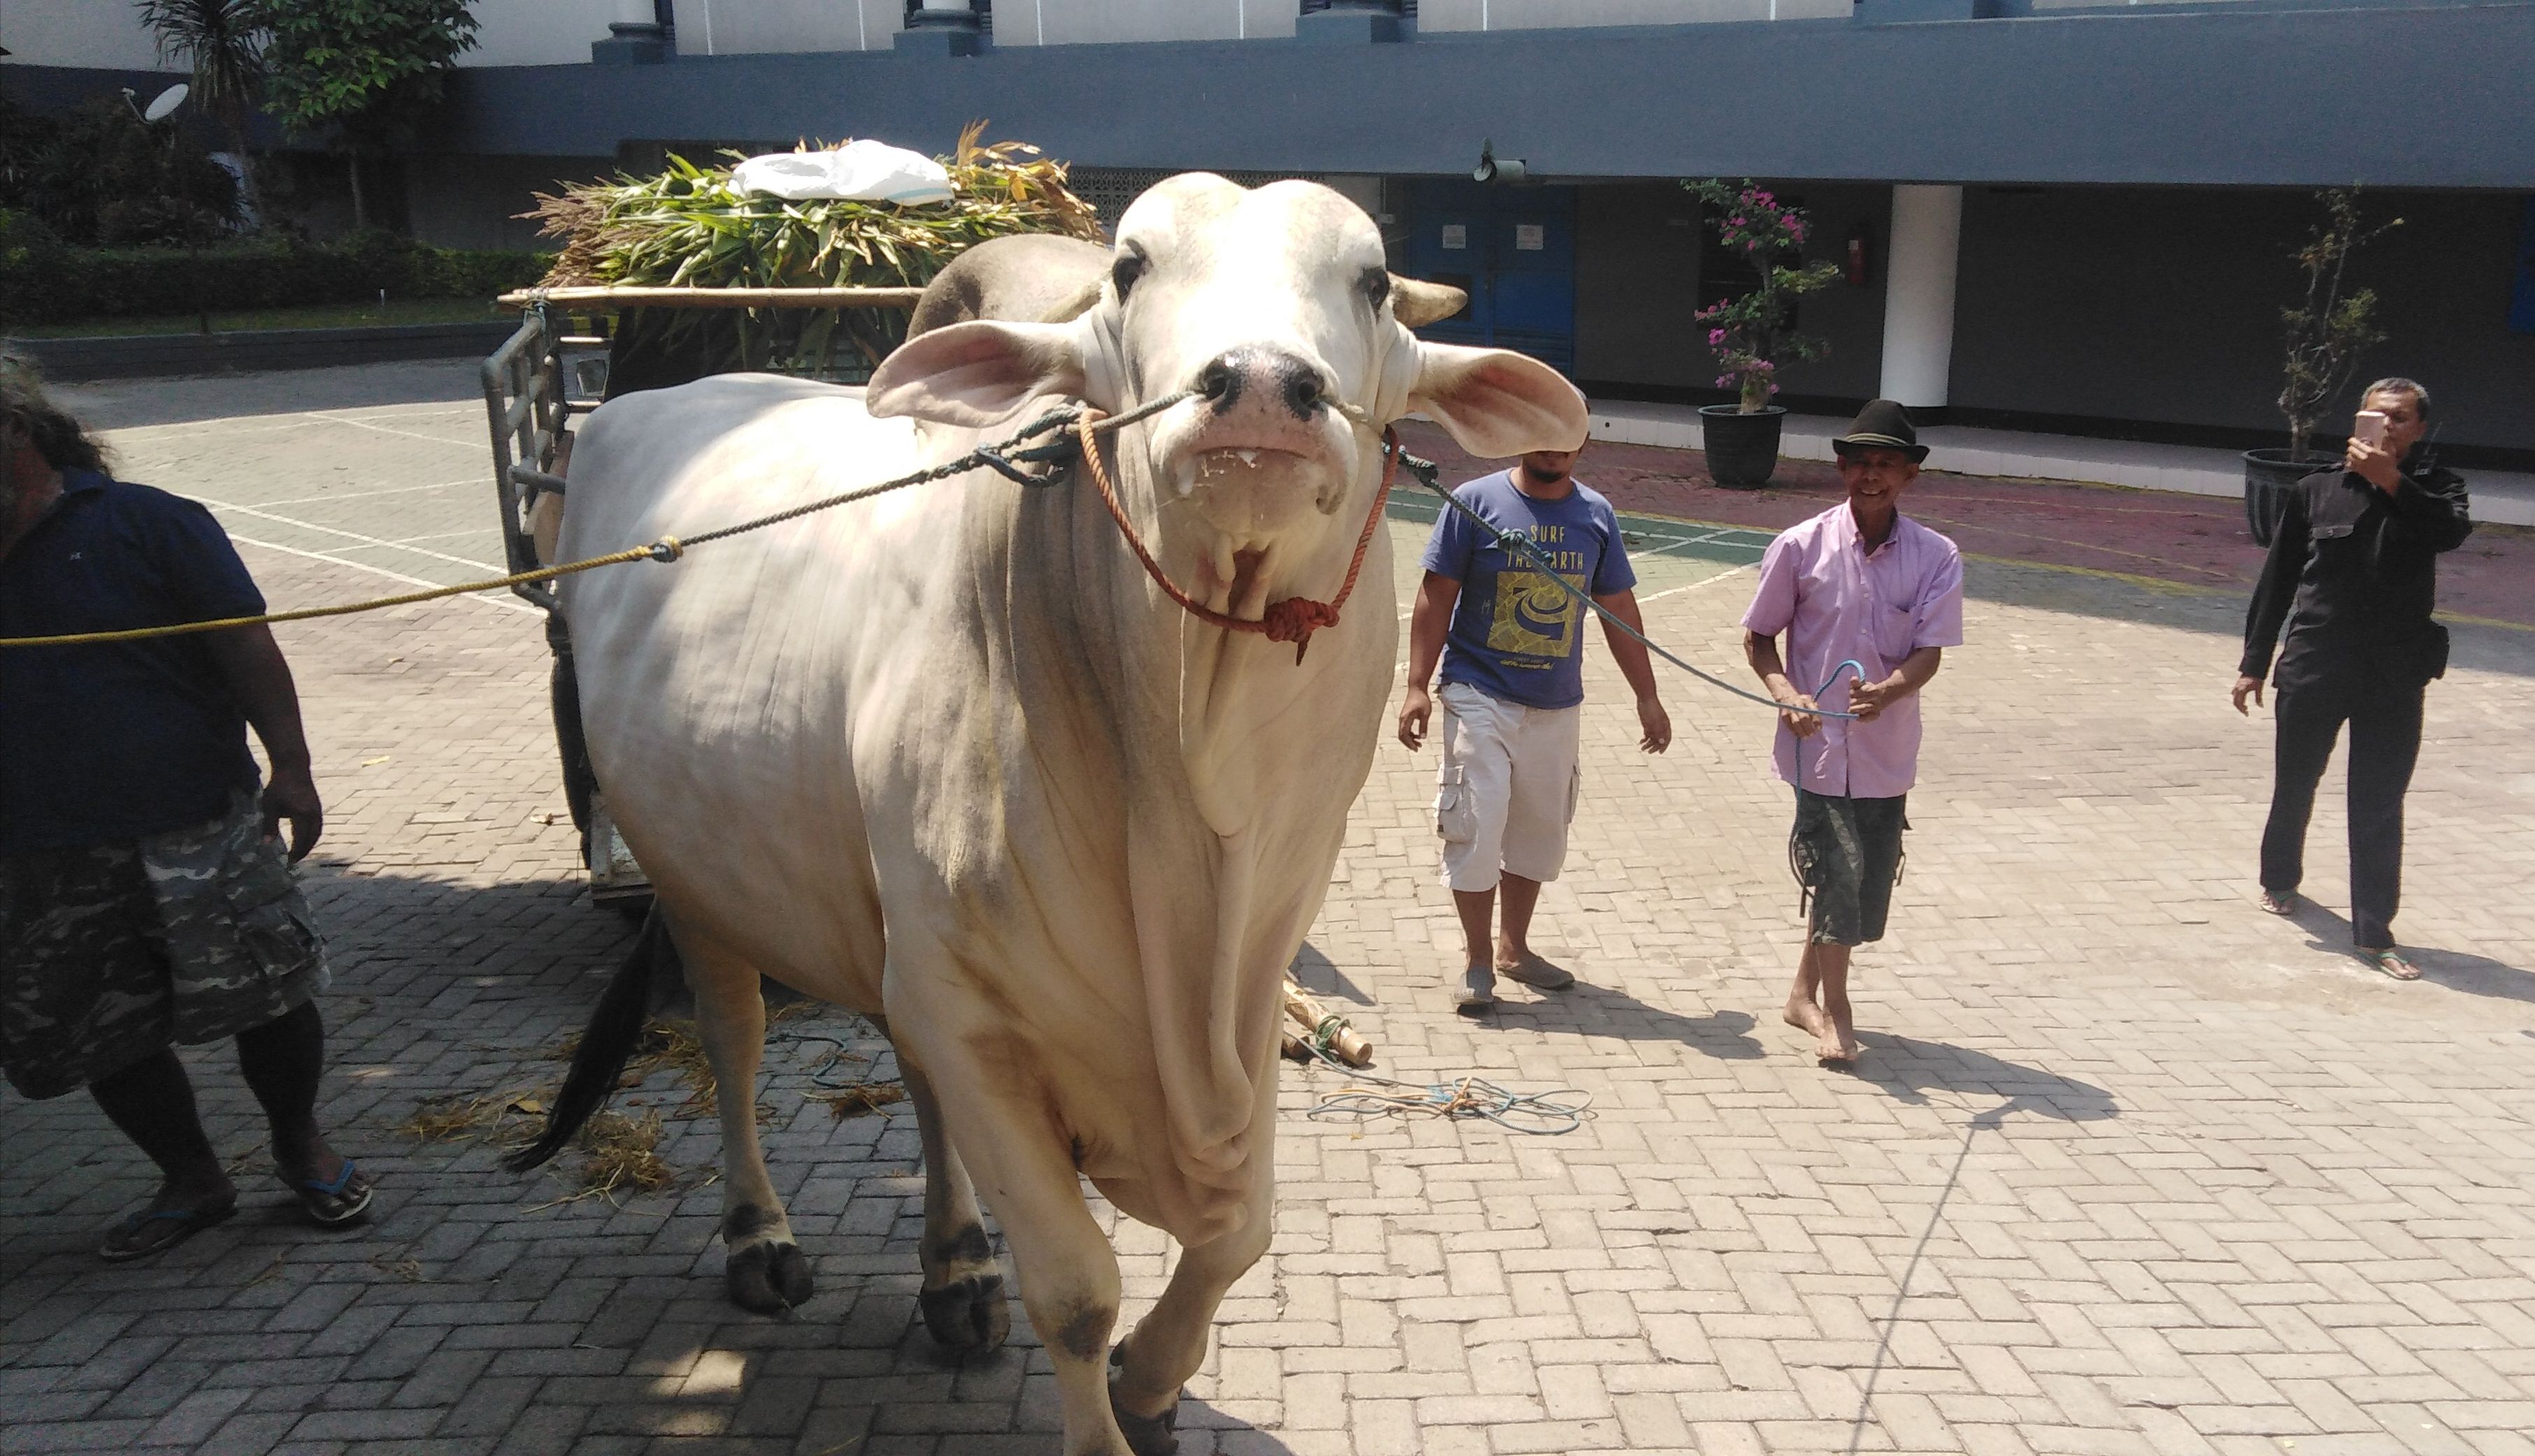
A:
(963, 1297)
(764, 1271)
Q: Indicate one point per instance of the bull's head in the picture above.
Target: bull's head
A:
(1274, 308)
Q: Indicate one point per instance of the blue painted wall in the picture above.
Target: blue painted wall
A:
(2220, 97)
(1512, 249)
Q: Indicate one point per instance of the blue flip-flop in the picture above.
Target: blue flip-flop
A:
(165, 1227)
(333, 1202)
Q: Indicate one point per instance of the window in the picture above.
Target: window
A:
(985, 12)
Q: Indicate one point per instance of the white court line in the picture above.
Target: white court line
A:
(310, 525)
(363, 495)
(1748, 566)
(292, 420)
(481, 530)
(407, 433)
(363, 566)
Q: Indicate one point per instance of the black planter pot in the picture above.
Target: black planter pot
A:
(1742, 448)
(2269, 473)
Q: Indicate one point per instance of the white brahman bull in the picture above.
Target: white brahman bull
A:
(950, 759)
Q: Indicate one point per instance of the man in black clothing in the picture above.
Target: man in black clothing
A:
(2352, 571)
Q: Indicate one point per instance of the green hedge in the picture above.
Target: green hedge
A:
(42, 281)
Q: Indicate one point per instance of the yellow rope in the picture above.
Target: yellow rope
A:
(667, 548)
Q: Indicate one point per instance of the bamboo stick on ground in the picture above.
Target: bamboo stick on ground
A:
(1345, 1043)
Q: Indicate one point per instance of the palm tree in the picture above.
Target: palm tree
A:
(223, 41)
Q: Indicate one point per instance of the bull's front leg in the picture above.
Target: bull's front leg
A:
(764, 1271)
(963, 1297)
(1168, 1345)
(1069, 1274)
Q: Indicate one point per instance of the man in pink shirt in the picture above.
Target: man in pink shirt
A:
(1869, 600)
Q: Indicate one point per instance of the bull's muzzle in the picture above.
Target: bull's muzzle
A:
(1263, 378)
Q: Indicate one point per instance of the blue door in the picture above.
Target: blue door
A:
(1512, 248)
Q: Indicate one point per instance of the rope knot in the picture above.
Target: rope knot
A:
(667, 549)
(1294, 619)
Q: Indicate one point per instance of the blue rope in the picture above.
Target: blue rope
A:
(1427, 471)
(1541, 1114)
(1853, 665)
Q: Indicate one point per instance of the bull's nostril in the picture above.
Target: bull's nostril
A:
(1303, 394)
(1217, 382)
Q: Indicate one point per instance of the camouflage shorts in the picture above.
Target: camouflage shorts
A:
(111, 952)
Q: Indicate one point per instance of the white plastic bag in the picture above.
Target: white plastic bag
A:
(858, 172)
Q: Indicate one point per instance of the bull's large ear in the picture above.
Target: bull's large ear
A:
(974, 374)
(1497, 403)
(1416, 303)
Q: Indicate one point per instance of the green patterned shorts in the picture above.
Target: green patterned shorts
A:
(1846, 853)
(111, 952)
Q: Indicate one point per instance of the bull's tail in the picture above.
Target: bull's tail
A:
(615, 1028)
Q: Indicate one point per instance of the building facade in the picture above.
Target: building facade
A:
(2050, 214)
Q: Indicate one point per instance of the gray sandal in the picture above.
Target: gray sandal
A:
(154, 1231)
(1539, 974)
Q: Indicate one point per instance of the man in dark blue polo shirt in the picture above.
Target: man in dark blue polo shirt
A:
(144, 897)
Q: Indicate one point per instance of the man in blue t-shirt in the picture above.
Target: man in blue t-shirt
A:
(1514, 676)
(145, 899)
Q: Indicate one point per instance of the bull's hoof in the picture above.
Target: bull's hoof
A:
(1147, 1436)
(766, 1277)
(967, 1315)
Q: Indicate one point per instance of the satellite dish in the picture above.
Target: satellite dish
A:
(167, 103)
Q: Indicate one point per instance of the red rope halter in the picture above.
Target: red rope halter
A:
(1292, 619)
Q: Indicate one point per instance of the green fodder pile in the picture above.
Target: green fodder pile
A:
(690, 228)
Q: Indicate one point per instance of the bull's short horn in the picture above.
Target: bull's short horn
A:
(1418, 303)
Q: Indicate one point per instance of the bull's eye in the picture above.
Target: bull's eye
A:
(1375, 286)
(1125, 271)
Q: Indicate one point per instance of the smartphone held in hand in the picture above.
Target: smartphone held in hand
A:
(2371, 428)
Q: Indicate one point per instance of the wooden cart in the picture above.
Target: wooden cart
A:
(554, 368)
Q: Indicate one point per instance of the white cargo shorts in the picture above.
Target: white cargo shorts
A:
(1506, 790)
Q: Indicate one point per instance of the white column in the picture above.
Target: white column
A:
(1919, 294)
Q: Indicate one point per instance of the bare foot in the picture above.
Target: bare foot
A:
(1840, 1044)
(1807, 1017)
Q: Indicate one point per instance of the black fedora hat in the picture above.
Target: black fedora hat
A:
(1882, 425)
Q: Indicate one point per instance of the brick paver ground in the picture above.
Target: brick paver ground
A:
(2130, 1165)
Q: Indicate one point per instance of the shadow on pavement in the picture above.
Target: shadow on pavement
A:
(1315, 973)
(1910, 1070)
(2456, 970)
(1597, 1010)
(1232, 1434)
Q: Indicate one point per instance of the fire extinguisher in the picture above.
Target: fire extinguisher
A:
(1859, 244)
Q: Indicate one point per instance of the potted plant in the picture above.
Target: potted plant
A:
(2325, 336)
(1749, 331)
